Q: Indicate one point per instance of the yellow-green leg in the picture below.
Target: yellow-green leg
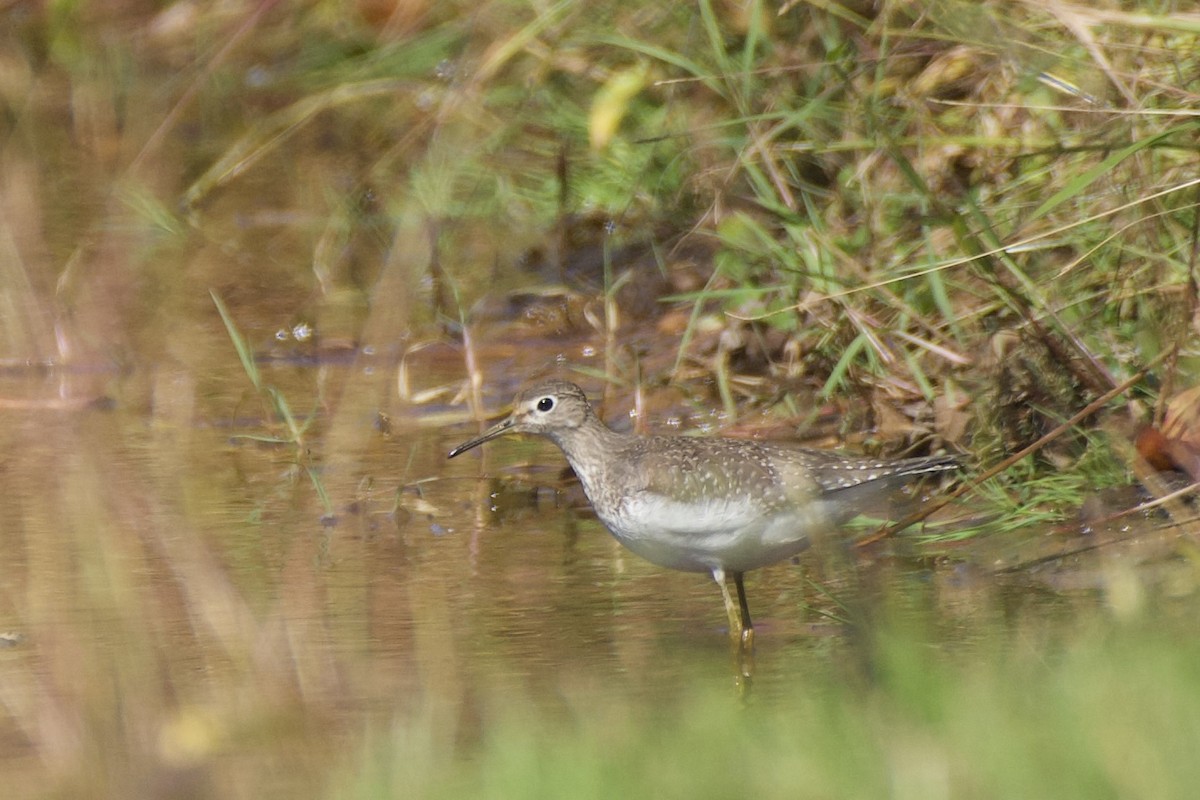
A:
(741, 629)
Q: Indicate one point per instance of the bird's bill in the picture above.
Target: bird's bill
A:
(499, 429)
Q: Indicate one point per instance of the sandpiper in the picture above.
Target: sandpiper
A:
(715, 505)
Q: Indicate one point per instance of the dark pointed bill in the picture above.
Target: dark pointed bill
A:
(499, 429)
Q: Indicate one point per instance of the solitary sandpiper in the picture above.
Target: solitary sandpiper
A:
(715, 505)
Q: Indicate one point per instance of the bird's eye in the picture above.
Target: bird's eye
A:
(545, 404)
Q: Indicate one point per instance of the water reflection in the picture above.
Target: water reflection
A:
(174, 597)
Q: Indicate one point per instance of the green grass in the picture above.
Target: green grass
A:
(891, 187)
(994, 201)
(1103, 713)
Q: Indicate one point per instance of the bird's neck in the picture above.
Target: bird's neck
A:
(589, 447)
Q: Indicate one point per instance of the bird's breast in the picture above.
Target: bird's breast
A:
(699, 536)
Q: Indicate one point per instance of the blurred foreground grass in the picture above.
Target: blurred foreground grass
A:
(958, 221)
(1106, 711)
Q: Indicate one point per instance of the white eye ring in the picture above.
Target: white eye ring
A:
(545, 404)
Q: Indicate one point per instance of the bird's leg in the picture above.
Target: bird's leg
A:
(747, 625)
(740, 629)
(731, 611)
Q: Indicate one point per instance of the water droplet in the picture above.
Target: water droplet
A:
(257, 77)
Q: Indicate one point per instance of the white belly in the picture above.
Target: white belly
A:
(735, 536)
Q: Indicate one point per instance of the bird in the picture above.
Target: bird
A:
(714, 505)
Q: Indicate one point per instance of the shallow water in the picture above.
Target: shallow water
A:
(176, 592)
(183, 614)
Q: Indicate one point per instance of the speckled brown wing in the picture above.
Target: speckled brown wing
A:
(735, 481)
